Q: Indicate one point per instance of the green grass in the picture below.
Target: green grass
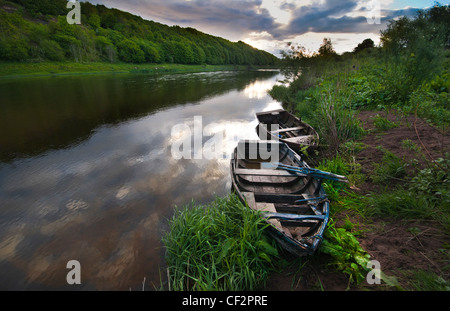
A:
(340, 244)
(382, 124)
(347, 254)
(410, 145)
(16, 69)
(425, 281)
(390, 168)
(400, 204)
(219, 246)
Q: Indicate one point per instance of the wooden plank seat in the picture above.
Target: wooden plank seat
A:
(289, 129)
(299, 139)
(266, 208)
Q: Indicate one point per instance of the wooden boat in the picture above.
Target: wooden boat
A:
(294, 204)
(285, 127)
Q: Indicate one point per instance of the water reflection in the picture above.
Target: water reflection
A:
(101, 192)
(258, 89)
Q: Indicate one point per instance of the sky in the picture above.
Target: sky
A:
(270, 24)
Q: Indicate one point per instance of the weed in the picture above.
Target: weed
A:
(433, 182)
(353, 147)
(382, 123)
(348, 256)
(431, 101)
(390, 168)
(410, 145)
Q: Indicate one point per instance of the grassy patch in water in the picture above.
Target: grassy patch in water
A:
(219, 246)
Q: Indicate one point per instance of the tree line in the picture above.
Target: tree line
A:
(425, 35)
(37, 30)
(412, 50)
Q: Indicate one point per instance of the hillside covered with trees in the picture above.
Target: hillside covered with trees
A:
(37, 30)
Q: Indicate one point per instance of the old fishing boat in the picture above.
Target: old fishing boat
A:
(286, 127)
(271, 178)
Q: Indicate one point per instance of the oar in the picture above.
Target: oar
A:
(307, 171)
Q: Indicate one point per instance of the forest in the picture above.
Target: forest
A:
(36, 31)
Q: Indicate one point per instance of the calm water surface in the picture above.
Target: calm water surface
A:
(87, 171)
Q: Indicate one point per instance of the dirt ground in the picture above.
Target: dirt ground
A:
(392, 243)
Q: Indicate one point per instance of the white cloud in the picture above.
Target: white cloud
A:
(268, 24)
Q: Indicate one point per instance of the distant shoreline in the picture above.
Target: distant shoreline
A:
(16, 70)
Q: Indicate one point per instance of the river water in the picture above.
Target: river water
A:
(91, 168)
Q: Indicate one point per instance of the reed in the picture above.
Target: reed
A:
(219, 246)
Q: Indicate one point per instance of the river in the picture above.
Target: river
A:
(92, 166)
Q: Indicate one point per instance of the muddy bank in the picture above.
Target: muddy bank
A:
(402, 247)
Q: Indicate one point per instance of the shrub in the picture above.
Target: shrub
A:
(431, 101)
(52, 50)
(433, 182)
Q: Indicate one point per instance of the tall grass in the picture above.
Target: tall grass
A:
(401, 204)
(327, 108)
(219, 246)
(426, 281)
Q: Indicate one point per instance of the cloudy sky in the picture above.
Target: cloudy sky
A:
(270, 24)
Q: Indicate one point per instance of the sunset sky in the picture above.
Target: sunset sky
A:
(270, 24)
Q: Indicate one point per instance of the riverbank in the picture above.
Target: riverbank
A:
(409, 243)
(394, 149)
(22, 70)
(391, 140)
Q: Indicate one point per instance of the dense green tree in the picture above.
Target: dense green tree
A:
(14, 48)
(417, 46)
(130, 52)
(366, 44)
(51, 50)
(110, 35)
(44, 7)
(326, 49)
(432, 26)
(94, 21)
(150, 50)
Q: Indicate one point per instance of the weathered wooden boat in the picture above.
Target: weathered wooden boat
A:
(271, 178)
(286, 127)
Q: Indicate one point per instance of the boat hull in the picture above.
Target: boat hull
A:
(283, 126)
(294, 205)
